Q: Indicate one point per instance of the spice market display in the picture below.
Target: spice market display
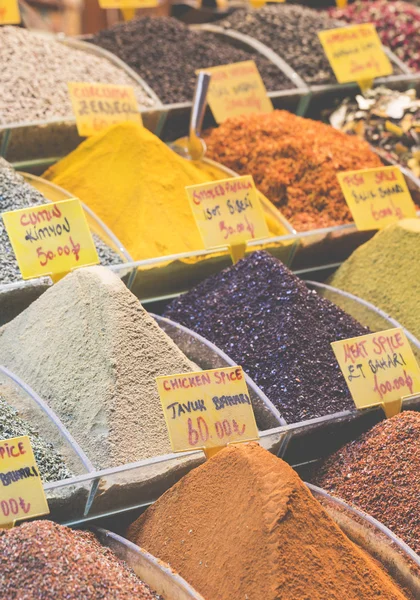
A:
(210, 300)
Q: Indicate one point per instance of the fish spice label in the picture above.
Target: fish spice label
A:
(97, 106)
(9, 12)
(228, 211)
(21, 492)
(237, 89)
(379, 368)
(50, 239)
(355, 53)
(377, 197)
(207, 409)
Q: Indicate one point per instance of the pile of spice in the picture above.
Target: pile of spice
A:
(100, 353)
(35, 72)
(386, 272)
(153, 216)
(50, 463)
(292, 32)
(167, 54)
(15, 193)
(387, 119)
(268, 321)
(380, 474)
(397, 23)
(273, 539)
(43, 560)
(294, 162)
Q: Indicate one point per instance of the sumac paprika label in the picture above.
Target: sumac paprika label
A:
(97, 106)
(207, 409)
(50, 239)
(21, 492)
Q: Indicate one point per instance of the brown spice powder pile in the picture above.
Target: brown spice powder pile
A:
(243, 525)
(45, 561)
(380, 473)
(294, 162)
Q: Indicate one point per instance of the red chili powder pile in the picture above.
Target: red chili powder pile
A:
(294, 162)
(380, 473)
(243, 525)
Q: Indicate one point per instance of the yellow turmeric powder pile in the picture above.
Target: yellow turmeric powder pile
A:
(136, 185)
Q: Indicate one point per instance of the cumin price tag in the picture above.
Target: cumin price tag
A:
(50, 239)
(379, 368)
(377, 197)
(207, 409)
(98, 105)
(237, 89)
(228, 213)
(9, 12)
(21, 492)
(355, 53)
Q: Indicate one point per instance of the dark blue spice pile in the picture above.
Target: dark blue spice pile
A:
(267, 320)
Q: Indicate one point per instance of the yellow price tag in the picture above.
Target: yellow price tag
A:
(9, 12)
(122, 4)
(207, 409)
(228, 212)
(50, 239)
(21, 492)
(377, 197)
(379, 368)
(96, 106)
(355, 53)
(237, 89)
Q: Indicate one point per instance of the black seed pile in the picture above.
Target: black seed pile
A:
(291, 31)
(278, 330)
(166, 54)
(15, 193)
(50, 463)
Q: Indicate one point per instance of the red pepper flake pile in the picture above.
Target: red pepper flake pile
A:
(380, 474)
(397, 23)
(294, 162)
(41, 560)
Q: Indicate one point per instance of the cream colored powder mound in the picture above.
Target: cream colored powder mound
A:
(92, 353)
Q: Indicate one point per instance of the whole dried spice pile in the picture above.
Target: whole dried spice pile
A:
(35, 73)
(45, 561)
(294, 162)
(167, 54)
(292, 32)
(397, 23)
(268, 321)
(50, 463)
(380, 474)
(243, 525)
(387, 119)
(15, 193)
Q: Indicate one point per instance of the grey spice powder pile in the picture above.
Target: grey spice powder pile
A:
(35, 71)
(15, 193)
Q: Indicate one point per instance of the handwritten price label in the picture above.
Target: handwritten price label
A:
(228, 211)
(377, 197)
(379, 368)
(50, 239)
(128, 3)
(21, 492)
(97, 106)
(9, 12)
(207, 409)
(355, 53)
(237, 89)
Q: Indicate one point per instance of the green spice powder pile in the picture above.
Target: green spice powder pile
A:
(386, 272)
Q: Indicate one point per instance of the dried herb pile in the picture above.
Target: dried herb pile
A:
(380, 473)
(294, 162)
(397, 23)
(268, 321)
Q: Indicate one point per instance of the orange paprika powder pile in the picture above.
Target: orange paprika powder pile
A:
(294, 162)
